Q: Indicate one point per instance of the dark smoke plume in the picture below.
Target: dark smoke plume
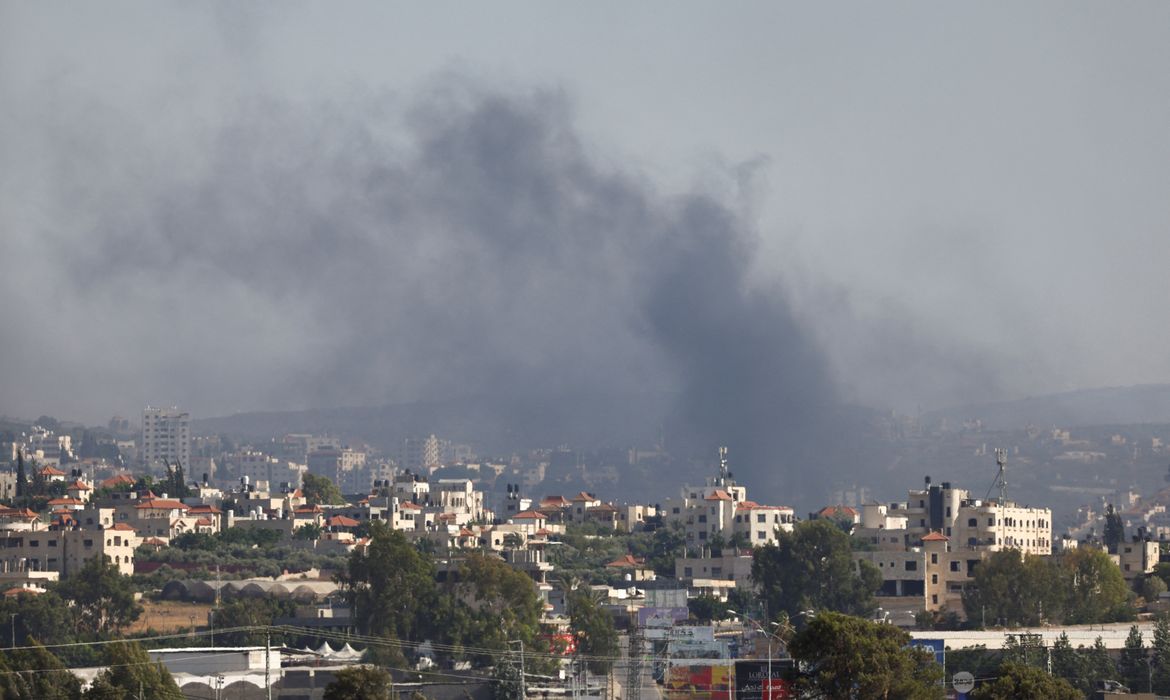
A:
(467, 245)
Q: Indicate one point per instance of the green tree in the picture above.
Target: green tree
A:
(104, 598)
(1017, 681)
(390, 585)
(46, 618)
(21, 476)
(1114, 529)
(1160, 656)
(1099, 666)
(1131, 665)
(131, 674)
(1010, 589)
(666, 544)
(849, 657)
(706, 607)
(1096, 588)
(594, 629)
(249, 612)
(812, 568)
(1066, 662)
(490, 604)
(320, 490)
(31, 674)
(308, 531)
(1149, 587)
(360, 683)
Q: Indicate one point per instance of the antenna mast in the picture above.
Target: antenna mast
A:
(722, 465)
(1001, 477)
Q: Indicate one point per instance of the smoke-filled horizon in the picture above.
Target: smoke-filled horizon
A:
(242, 209)
(459, 244)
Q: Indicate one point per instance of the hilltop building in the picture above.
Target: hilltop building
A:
(720, 507)
(927, 547)
(166, 437)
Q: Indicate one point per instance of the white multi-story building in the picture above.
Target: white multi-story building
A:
(928, 547)
(166, 437)
(258, 467)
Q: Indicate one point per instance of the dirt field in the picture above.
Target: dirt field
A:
(170, 616)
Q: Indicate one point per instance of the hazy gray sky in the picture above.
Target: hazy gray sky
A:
(233, 207)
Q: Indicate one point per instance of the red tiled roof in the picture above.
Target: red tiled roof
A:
(66, 502)
(118, 481)
(12, 592)
(530, 515)
(154, 541)
(752, 505)
(204, 522)
(123, 527)
(160, 504)
(203, 508)
(407, 505)
(78, 485)
(719, 495)
(935, 537)
(628, 561)
(52, 471)
(342, 521)
(830, 511)
(583, 496)
(464, 532)
(559, 501)
(603, 508)
(24, 514)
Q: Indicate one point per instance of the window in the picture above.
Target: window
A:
(922, 522)
(954, 566)
(972, 522)
(687, 571)
(934, 599)
(702, 518)
(761, 518)
(934, 579)
(991, 522)
(88, 543)
(703, 534)
(34, 543)
(716, 570)
(934, 557)
(52, 543)
(761, 535)
(911, 565)
(674, 511)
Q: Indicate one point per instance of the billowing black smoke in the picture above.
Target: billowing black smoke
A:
(468, 244)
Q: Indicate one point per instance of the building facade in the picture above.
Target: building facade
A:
(166, 437)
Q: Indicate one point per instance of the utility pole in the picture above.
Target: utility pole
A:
(523, 681)
(523, 689)
(634, 667)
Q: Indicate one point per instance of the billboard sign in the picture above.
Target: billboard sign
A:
(753, 682)
(661, 617)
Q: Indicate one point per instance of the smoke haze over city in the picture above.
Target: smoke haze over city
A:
(758, 216)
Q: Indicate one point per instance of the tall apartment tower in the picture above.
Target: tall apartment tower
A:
(166, 437)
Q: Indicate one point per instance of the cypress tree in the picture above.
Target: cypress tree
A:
(21, 476)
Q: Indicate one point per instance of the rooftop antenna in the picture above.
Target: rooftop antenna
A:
(1001, 476)
(722, 465)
